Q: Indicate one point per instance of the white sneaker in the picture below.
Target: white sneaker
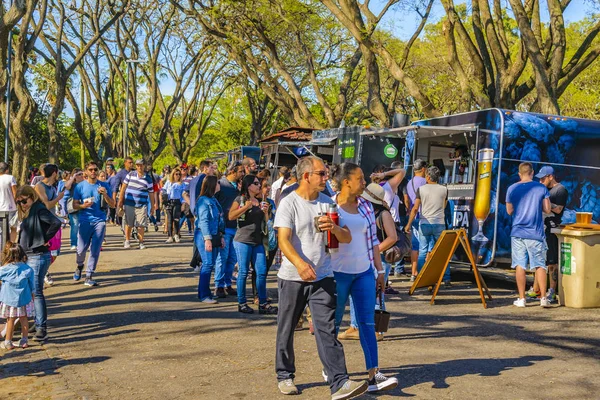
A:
(381, 382)
(544, 302)
(127, 245)
(177, 239)
(169, 240)
(520, 303)
(209, 301)
(142, 246)
(73, 247)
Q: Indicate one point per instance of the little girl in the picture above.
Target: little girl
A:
(16, 293)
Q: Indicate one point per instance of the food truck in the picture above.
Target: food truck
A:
(348, 144)
(239, 153)
(479, 154)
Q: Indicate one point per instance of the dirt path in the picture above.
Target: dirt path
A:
(143, 334)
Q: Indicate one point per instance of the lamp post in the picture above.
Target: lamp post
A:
(125, 127)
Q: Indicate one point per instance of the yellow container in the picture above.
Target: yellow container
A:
(579, 273)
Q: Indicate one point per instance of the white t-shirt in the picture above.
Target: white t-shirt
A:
(7, 200)
(275, 186)
(392, 200)
(353, 257)
(299, 214)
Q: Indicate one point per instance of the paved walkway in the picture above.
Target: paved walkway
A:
(143, 334)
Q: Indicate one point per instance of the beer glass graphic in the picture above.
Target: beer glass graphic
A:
(481, 209)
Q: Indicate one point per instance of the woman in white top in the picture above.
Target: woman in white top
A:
(357, 266)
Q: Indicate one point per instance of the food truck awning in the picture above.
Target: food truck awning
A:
(422, 131)
(324, 141)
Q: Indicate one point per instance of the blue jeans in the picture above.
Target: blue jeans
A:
(74, 224)
(428, 235)
(40, 264)
(90, 235)
(208, 264)
(362, 288)
(247, 253)
(225, 261)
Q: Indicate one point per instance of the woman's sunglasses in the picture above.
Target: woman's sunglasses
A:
(23, 201)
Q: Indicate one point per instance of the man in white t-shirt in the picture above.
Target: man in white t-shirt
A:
(306, 277)
(389, 179)
(278, 183)
(8, 192)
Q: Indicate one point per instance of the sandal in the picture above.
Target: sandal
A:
(245, 308)
(7, 345)
(267, 309)
(23, 343)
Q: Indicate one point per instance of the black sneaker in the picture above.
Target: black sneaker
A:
(244, 308)
(40, 335)
(381, 382)
(267, 309)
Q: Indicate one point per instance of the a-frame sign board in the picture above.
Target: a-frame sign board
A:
(432, 272)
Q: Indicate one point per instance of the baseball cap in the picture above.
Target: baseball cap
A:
(139, 161)
(110, 159)
(545, 171)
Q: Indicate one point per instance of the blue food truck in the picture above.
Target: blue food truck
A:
(479, 154)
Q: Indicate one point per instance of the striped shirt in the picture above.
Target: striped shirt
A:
(138, 189)
(365, 209)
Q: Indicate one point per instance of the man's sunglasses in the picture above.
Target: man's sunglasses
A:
(320, 173)
(23, 201)
(93, 169)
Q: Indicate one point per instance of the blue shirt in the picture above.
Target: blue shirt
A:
(84, 190)
(117, 180)
(17, 284)
(527, 199)
(174, 190)
(138, 189)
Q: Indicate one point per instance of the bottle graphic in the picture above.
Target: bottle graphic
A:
(332, 241)
(242, 204)
(481, 210)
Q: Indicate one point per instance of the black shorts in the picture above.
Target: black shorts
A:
(552, 252)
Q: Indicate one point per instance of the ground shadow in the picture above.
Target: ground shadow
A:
(47, 366)
(438, 373)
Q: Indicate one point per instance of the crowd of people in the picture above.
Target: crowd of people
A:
(246, 218)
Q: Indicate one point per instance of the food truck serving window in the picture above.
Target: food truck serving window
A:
(452, 151)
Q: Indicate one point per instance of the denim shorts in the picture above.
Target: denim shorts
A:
(528, 252)
(415, 235)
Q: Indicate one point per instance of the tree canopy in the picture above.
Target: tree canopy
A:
(208, 75)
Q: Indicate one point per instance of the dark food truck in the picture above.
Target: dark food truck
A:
(350, 145)
(479, 154)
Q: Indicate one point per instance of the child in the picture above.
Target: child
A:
(16, 293)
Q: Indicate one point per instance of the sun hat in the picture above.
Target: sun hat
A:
(375, 193)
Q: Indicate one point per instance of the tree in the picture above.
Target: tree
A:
(66, 44)
(289, 50)
(22, 109)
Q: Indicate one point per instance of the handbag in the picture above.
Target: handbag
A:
(382, 317)
(400, 249)
(70, 208)
(216, 240)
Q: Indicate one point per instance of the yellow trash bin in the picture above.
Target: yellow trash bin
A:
(579, 272)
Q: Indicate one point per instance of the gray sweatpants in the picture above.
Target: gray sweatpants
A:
(320, 297)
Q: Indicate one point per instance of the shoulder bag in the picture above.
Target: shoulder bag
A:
(401, 248)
